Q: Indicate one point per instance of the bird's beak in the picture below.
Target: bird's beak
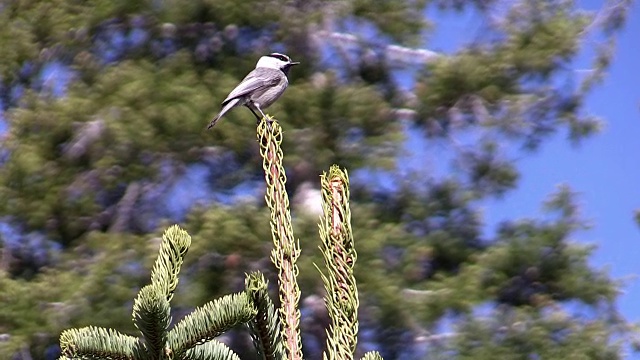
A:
(294, 63)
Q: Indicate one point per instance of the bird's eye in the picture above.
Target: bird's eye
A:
(281, 57)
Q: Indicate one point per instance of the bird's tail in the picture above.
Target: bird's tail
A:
(224, 110)
(214, 121)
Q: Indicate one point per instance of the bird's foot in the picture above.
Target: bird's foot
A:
(268, 118)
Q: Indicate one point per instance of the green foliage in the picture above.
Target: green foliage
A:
(523, 333)
(265, 326)
(164, 276)
(339, 253)
(22, 297)
(152, 317)
(286, 249)
(191, 338)
(211, 350)
(400, 20)
(335, 107)
(71, 191)
(98, 343)
(372, 355)
(210, 321)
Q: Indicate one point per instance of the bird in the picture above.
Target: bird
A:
(260, 88)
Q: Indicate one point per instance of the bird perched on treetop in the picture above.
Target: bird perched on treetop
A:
(260, 88)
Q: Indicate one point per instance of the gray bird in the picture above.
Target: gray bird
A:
(261, 87)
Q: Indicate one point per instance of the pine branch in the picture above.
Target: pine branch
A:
(152, 316)
(174, 247)
(209, 321)
(286, 249)
(212, 350)
(372, 355)
(340, 256)
(265, 327)
(151, 309)
(98, 343)
(399, 55)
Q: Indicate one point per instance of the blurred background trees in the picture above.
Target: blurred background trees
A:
(104, 109)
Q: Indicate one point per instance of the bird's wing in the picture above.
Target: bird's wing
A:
(259, 78)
